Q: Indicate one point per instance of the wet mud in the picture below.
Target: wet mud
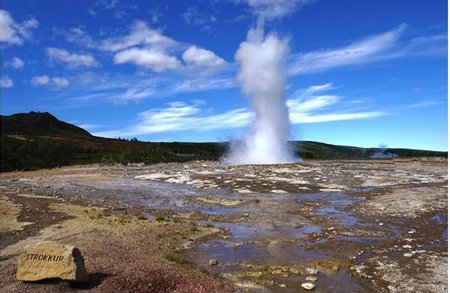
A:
(353, 226)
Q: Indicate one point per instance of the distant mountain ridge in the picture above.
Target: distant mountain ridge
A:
(40, 123)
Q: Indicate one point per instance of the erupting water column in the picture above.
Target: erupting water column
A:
(263, 79)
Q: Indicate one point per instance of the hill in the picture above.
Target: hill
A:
(39, 140)
(42, 124)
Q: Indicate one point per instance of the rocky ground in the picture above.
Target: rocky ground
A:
(343, 226)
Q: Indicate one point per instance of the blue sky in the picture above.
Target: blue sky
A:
(360, 73)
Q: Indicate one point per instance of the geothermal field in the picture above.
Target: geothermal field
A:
(145, 194)
(343, 226)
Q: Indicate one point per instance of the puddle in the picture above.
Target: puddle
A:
(252, 262)
(289, 239)
(285, 241)
(334, 205)
(344, 218)
(437, 218)
(254, 231)
(327, 283)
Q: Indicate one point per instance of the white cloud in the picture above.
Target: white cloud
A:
(155, 15)
(435, 45)
(40, 80)
(203, 84)
(72, 60)
(60, 82)
(44, 80)
(181, 116)
(144, 47)
(297, 118)
(122, 90)
(15, 63)
(311, 103)
(272, 9)
(13, 32)
(140, 34)
(108, 4)
(77, 35)
(426, 103)
(150, 49)
(6, 82)
(154, 59)
(118, 9)
(195, 18)
(386, 46)
(133, 94)
(203, 61)
(92, 12)
(364, 51)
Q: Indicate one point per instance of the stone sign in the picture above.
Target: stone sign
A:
(49, 260)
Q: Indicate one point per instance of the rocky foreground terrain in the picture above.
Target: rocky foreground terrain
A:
(341, 226)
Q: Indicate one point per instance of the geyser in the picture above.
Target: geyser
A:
(262, 78)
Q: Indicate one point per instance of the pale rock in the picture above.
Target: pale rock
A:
(311, 279)
(312, 271)
(213, 262)
(308, 286)
(51, 260)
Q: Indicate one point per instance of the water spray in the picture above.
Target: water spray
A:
(262, 78)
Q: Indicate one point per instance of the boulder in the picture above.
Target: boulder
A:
(50, 260)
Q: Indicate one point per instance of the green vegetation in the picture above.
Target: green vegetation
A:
(36, 140)
(323, 151)
(36, 153)
(33, 154)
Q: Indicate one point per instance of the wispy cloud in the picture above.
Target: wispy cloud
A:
(426, 103)
(203, 84)
(14, 33)
(6, 82)
(181, 116)
(140, 34)
(122, 90)
(182, 67)
(360, 52)
(178, 116)
(15, 63)
(77, 35)
(272, 9)
(72, 60)
(118, 9)
(45, 80)
(385, 46)
(297, 118)
(192, 16)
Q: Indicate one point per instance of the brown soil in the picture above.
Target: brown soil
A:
(151, 228)
(122, 253)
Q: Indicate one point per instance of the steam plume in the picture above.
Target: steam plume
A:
(263, 80)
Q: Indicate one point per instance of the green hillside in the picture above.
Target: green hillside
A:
(39, 140)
